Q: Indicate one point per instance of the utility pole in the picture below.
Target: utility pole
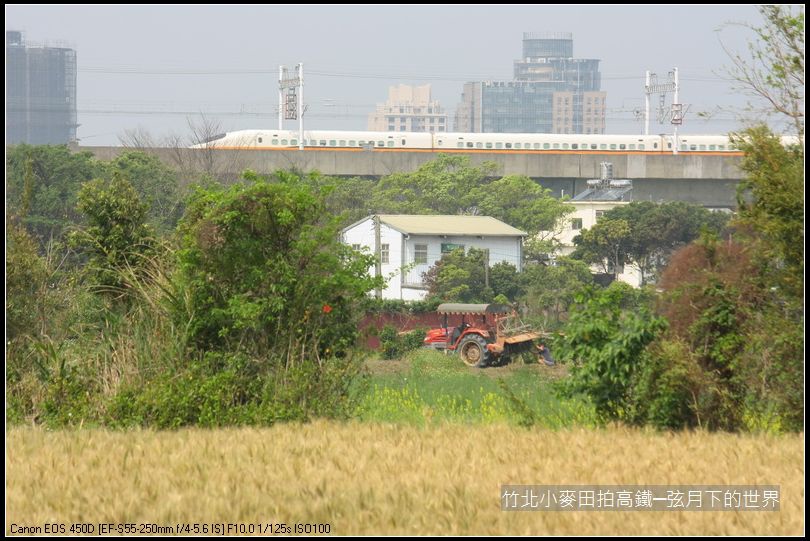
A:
(301, 106)
(280, 98)
(647, 104)
(291, 99)
(676, 111)
(377, 256)
(486, 267)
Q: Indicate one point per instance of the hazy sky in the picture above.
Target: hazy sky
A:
(151, 67)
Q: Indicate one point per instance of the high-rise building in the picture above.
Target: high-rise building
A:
(409, 108)
(40, 93)
(552, 92)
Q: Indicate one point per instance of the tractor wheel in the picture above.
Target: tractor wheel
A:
(473, 351)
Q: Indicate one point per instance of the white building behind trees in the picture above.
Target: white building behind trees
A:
(410, 244)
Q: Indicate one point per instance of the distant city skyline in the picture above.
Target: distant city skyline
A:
(149, 68)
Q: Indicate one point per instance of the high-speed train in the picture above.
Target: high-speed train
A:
(469, 142)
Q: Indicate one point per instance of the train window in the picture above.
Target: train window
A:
(390, 144)
(669, 145)
(470, 144)
(702, 147)
(509, 145)
(692, 147)
(655, 145)
(537, 146)
(632, 146)
(489, 145)
(575, 146)
(517, 145)
(260, 139)
(479, 145)
(440, 142)
(403, 142)
(641, 146)
(593, 146)
(721, 147)
(342, 143)
(322, 142)
(565, 146)
(293, 141)
(498, 145)
(712, 147)
(603, 146)
(380, 143)
(332, 143)
(274, 142)
(732, 146)
(545, 146)
(460, 144)
(613, 146)
(622, 147)
(684, 147)
(555, 145)
(351, 143)
(526, 145)
(284, 142)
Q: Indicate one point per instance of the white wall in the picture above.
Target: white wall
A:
(363, 234)
(402, 251)
(506, 249)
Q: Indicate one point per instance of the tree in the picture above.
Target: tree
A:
(521, 202)
(267, 275)
(657, 229)
(26, 275)
(459, 277)
(446, 185)
(771, 203)
(42, 186)
(116, 238)
(156, 184)
(605, 341)
(605, 244)
(550, 290)
(774, 69)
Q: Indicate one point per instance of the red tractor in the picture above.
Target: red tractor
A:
(488, 334)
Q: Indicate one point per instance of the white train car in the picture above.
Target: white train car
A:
(528, 143)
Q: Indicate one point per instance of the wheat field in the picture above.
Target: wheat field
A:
(370, 478)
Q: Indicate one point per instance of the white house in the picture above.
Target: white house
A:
(601, 196)
(411, 244)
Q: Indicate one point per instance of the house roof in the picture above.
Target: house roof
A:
(448, 225)
(605, 194)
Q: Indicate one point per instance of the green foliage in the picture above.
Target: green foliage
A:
(42, 185)
(605, 339)
(266, 273)
(26, 283)
(395, 345)
(446, 185)
(438, 388)
(550, 290)
(771, 203)
(605, 244)
(116, 237)
(656, 230)
(666, 391)
(461, 277)
(522, 203)
(155, 183)
(743, 338)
